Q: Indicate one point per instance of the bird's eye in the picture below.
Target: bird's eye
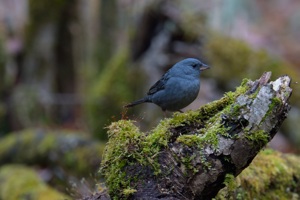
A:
(194, 65)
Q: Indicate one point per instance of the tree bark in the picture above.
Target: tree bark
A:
(189, 155)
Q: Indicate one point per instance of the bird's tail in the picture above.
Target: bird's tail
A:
(143, 100)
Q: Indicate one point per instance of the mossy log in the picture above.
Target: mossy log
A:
(75, 154)
(190, 155)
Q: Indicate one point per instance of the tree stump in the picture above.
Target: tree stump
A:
(190, 155)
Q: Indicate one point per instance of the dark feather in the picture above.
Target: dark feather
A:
(159, 85)
(143, 100)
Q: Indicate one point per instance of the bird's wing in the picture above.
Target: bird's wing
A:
(159, 85)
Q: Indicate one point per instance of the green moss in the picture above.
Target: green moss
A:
(186, 160)
(195, 142)
(275, 102)
(229, 181)
(259, 137)
(46, 145)
(180, 119)
(159, 136)
(21, 182)
(211, 109)
(268, 151)
(76, 155)
(28, 140)
(271, 175)
(129, 191)
(123, 149)
(6, 145)
(189, 140)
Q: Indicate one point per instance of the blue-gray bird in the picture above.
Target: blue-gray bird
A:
(177, 88)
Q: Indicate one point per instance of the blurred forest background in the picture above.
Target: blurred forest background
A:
(67, 67)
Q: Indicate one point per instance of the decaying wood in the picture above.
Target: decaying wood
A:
(251, 121)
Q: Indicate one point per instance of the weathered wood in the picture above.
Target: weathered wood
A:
(189, 155)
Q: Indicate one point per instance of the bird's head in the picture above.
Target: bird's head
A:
(190, 66)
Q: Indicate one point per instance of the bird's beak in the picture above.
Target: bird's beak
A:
(204, 67)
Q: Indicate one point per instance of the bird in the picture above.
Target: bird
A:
(177, 88)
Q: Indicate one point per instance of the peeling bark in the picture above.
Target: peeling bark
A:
(222, 138)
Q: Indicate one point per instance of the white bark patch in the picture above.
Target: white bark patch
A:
(260, 105)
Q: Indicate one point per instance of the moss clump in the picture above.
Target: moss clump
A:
(187, 162)
(123, 149)
(159, 137)
(181, 119)
(259, 137)
(189, 140)
(230, 181)
(129, 191)
(127, 146)
(271, 175)
(20, 182)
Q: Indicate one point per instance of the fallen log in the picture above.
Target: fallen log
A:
(190, 155)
